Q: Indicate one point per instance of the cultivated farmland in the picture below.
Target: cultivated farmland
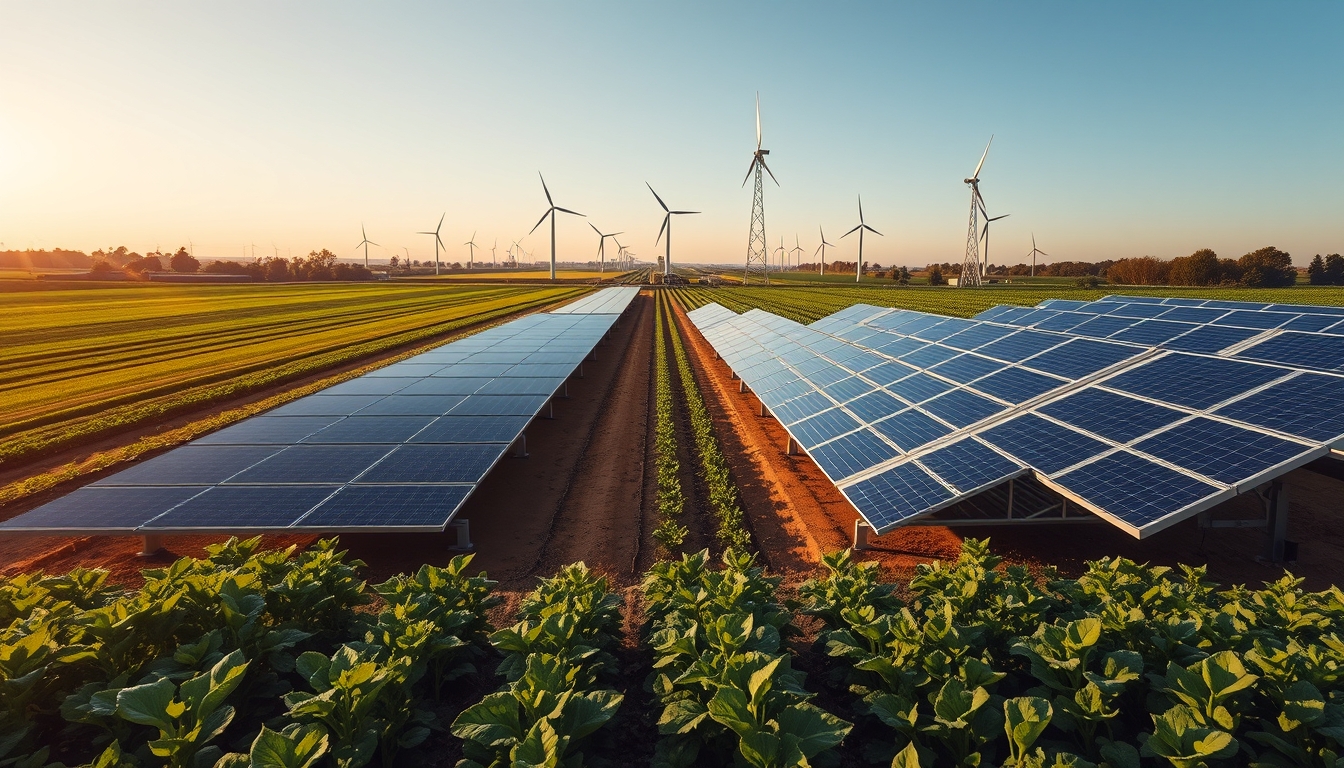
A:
(78, 364)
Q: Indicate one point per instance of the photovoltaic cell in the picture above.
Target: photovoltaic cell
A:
(1109, 483)
(1152, 332)
(1016, 385)
(528, 386)
(1303, 350)
(1210, 339)
(1192, 381)
(370, 386)
(874, 406)
(848, 389)
(313, 465)
(801, 408)
(822, 427)
(888, 372)
(929, 356)
(1114, 417)
(243, 506)
(371, 429)
(968, 465)
(1081, 357)
(193, 465)
(472, 429)
(499, 405)
(966, 367)
(461, 386)
(910, 429)
(99, 508)
(365, 506)
(977, 336)
(326, 405)
(1044, 445)
(1221, 451)
(412, 405)
(852, 453)
(474, 370)
(1021, 345)
(1102, 326)
(895, 495)
(1307, 405)
(268, 430)
(961, 408)
(919, 387)
(464, 463)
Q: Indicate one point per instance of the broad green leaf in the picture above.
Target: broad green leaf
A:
(815, 729)
(1026, 718)
(729, 707)
(493, 721)
(906, 758)
(148, 704)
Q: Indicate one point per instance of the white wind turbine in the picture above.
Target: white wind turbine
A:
(858, 266)
(438, 241)
(551, 212)
(366, 242)
(822, 250)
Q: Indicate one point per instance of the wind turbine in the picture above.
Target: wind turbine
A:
(1034, 251)
(550, 212)
(797, 251)
(494, 263)
(822, 250)
(667, 225)
(986, 233)
(601, 246)
(471, 251)
(438, 241)
(366, 242)
(858, 268)
(970, 266)
(756, 245)
(780, 253)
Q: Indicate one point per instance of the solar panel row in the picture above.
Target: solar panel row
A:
(398, 449)
(894, 405)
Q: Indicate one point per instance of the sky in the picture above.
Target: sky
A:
(1120, 129)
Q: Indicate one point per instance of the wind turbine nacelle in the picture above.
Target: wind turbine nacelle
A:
(763, 151)
(968, 181)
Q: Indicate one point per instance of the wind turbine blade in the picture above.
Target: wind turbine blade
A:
(674, 213)
(441, 218)
(772, 173)
(549, 201)
(758, 119)
(978, 165)
(595, 229)
(1043, 253)
(613, 235)
(852, 231)
(750, 168)
(874, 231)
(655, 196)
(566, 210)
(996, 218)
(660, 229)
(538, 224)
(860, 209)
(370, 242)
(984, 232)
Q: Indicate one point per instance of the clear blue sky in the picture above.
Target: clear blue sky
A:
(1121, 129)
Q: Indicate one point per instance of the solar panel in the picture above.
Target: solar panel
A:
(961, 408)
(1307, 405)
(966, 368)
(1081, 357)
(193, 465)
(371, 429)
(95, 509)
(910, 429)
(371, 386)
(969, 465)
(1017, 385)
(313, 464)
(1223, 452)
(919, 387)
(1109, 484)
(257, 507)
(1302, 350)
(1042, 444)
(874, 406)
(1019, 346)
(822, 427)
(268, 430)
(461, 463)
(852, 453)
(500, 405)
(1113, 416)
(891, 497)
(459, 385)
(412, 405)
(474, 370)
(473, 429)
(326, 405)
(1193, 381)
(373, 507)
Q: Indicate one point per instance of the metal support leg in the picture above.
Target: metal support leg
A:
(520, 446)
(792, 448)
(580, 370)
(463, 536)
(763, 411)
(150, 545)
(732, 375)
(565, 389)
(1011, 484)
(741, 385)
(861, 532)
(1277, 521)
(550, 408)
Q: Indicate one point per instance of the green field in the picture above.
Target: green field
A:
(807, 304)
(78, 364)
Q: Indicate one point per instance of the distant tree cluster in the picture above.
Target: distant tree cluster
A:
(57, 258)
(1327, 271)
(1266, 267)
(317, 265)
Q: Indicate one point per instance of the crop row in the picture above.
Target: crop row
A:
(134, 364)
(1126, 666)
(671, 501)
(720, 488)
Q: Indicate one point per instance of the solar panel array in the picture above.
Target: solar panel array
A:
(398, 449)
(910, 412)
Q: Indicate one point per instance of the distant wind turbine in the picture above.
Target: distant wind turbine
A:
(551, 212)
(366, 242)
(1034, 252)
(779, 252)
(471, 251)
(858, 268)
(667, 225)
(494, 263)
(796, 250)
(438, 241)
(986, 234)
(601, 243)
(822, 250)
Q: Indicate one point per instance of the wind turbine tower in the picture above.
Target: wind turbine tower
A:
(471, 251)
(494, 263)
(970, 266)
(822, 249)
(366, 242)
(667, 225)
(438, 241)
(1034, 253)
(758, 257)
(797, 251)
(550, 212)
(858, 266)
(601, 247)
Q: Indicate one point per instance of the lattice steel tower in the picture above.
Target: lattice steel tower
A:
(970, 267)
(758, 255)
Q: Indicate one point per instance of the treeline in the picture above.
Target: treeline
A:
(317, 265)
(1266, 267)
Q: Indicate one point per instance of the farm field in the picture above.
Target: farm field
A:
(79, 364)
(529, 274)
(808, 304)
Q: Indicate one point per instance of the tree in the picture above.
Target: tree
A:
(1334, 269)
(183, 262)
(1199, 268)
(393, 262)
(1316, 272)
(1144, 270)
(936, 275)
(147, 264)
(1267, 267)
(903, 278)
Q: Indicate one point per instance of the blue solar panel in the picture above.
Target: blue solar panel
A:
(500, 405)
(1139, 310)
(1307, 405)
(1109, 483)
(326, 405)
(474, 370)
(829, 376)
(966, 367)
(1260, 320)
(313, 465)
(1016, 385)
(968, 465)
(1193, 314)
(1044, 445)
(268, 430)
(1102, 326)
(897, 346)
(976, 336)
(1310, 322)
(1304, 350)
(822, 427)
(910, 429)
(801, 408)
(874, 406)
(464, 463)
(372, 506)
(1114, 417)
(193, 465)
(1059, 321)
(1223, 452)
(961, 408)
(1021, 345)
(371, 429)
(1152, 332)
(847, 389)
(95, 508)
(1210, 339)
(445, 386)
(944, 329)
(472, 429)
(1195, 382)
(528, 386)
(888, 372)
(852, 453)
(929, 356)
(895, 495)
(540, 371)
(408, 369)
(416, 405)
(1081, 357)
(243, 506)
(370, 386)
(919, 387)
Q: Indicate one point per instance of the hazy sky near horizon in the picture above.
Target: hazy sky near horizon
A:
(1121, 129)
